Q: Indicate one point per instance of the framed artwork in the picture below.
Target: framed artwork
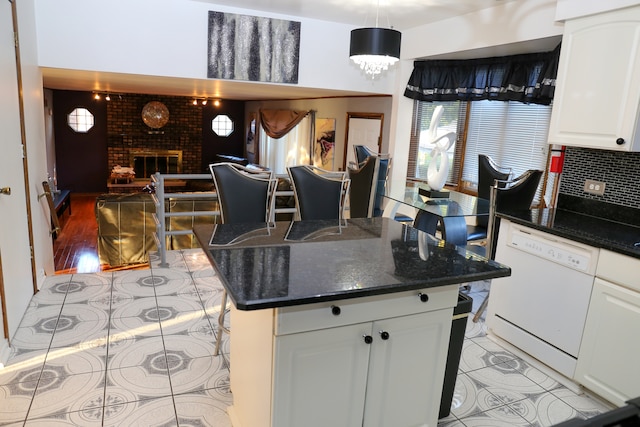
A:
(324, 143)
(251, 134)
(254, 48)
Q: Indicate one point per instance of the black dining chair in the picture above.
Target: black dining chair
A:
(361, 153)
(362, 195)
(319, 193)
(513, 195)
(488, 172)
(245, 196)
(516, 195)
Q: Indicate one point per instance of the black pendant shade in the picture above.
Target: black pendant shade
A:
(375, 41)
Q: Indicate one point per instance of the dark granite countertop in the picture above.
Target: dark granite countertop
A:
(597, 231)
(314, 261)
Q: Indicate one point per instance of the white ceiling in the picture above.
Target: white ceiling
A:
(399, 14)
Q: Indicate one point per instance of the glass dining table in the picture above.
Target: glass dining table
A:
(445, 214)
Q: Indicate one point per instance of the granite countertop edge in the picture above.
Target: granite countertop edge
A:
(361, 293)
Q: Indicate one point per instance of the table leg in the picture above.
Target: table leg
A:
(454, 230)
(426, 222)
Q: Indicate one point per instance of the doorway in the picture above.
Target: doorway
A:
(362, 129)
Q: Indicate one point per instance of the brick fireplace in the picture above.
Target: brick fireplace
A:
(176, 147)
(146, 162)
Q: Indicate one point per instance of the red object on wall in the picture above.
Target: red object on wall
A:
(557, 160)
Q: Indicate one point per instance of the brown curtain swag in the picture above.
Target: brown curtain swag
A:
(277, 123)
(528, 78)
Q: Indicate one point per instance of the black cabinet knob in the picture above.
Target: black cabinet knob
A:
(368, 339)
(620, 141)
(384, 335)
(423, 297)
(335, 310)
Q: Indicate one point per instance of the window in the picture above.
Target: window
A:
(513, 134)
(80, 120)
(451, 121)
(222, 125)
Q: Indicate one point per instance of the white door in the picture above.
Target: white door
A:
(16, 280)
(362, 129)
(401, 392)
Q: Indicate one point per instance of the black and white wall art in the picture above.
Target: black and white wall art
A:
(243, 47)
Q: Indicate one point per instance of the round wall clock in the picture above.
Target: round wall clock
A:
(155, 114)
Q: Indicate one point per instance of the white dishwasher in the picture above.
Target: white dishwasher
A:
(542, 307)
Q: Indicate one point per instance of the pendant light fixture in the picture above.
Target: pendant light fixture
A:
(375, 49)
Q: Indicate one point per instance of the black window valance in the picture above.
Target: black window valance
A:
(528, 78)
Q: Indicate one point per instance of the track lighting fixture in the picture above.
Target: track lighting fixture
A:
(205, 101)
(106, 95)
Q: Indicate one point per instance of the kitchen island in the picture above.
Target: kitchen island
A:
(338, 324)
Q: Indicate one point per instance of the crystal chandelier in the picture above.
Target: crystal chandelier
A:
(375, 49)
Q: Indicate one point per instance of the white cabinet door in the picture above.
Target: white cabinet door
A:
(598, 85)
(320, 377)
(405, 370)
(395, 380)
(608, 359)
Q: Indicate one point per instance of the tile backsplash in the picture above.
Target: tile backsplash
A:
(619, 171)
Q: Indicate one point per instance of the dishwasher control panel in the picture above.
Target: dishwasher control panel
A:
(554, 249)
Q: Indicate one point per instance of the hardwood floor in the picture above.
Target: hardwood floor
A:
(75, 250)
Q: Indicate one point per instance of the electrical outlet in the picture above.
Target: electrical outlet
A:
(594, 187)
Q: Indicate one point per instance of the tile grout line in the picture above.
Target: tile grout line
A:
(164, 346)
(44, 363)
(108, 344)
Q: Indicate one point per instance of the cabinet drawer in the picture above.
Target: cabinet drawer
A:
(310, 317)
(619, 269)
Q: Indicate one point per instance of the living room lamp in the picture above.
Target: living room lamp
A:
(375, 49)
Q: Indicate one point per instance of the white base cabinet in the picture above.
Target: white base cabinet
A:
(597, 97)
(378, 362)
(608, 359)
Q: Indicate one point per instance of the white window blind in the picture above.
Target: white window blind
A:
(420, 147)
(513, 134)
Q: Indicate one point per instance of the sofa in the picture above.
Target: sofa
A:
(126, 226)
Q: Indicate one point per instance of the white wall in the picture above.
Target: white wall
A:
(506, 29)
(169, 38)
(488, 31)
(337, 108)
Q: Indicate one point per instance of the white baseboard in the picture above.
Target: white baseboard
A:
(5, 351)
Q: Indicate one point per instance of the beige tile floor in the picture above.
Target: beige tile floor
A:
(135, 348)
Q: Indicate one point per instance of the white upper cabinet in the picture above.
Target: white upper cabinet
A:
(597, 97)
